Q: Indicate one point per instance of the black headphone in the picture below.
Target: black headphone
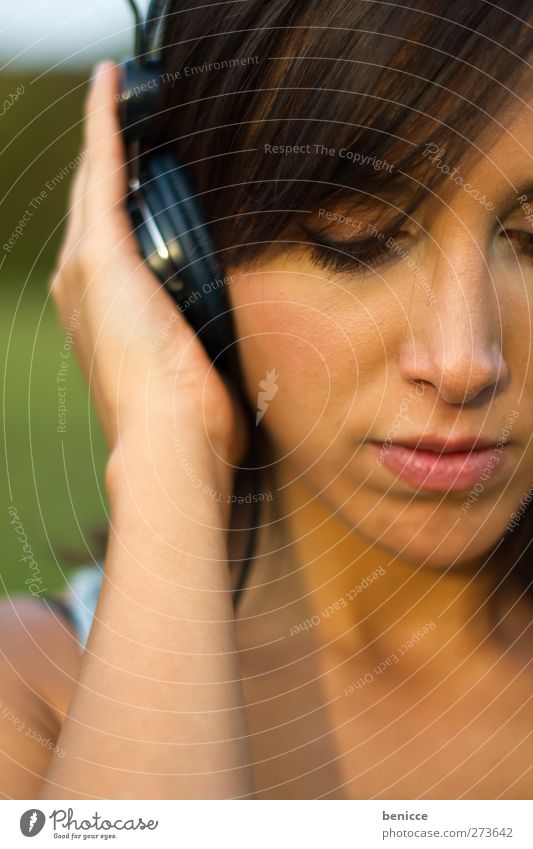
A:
(173, 236)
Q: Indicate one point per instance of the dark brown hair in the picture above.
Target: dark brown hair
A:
(380, 79)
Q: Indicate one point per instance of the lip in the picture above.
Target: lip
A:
(442, 465)
(445, 444)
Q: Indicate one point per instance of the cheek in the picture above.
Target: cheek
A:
(288, 339)
(325, 353)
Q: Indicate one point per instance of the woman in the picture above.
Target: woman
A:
(369, 184)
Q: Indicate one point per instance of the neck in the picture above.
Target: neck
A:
(369, 599)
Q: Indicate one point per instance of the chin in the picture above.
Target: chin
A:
(442, 553)
(423, 531)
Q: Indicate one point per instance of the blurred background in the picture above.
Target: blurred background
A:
(53, 452)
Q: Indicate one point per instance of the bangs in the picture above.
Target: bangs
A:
(333, 105)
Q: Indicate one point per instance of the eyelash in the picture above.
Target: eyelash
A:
(354, 256)
(362, 254)
(522, 235)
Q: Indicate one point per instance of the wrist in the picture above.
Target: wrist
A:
(170, 461)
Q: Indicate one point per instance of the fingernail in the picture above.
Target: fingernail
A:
(98, 69)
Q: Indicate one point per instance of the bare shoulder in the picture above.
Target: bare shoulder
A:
(39, 661)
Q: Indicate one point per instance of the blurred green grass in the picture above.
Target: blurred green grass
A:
(54, 480)
(41, 138)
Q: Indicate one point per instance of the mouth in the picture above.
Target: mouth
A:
(441, 465)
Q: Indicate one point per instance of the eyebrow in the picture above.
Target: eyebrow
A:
(511, 198)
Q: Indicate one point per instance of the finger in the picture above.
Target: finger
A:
(123, 289)
(75, 218)
(110, 247)
(65, 294)
(107, 184)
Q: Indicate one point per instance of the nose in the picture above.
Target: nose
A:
(454, 340)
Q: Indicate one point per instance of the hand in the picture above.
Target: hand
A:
(140, 356)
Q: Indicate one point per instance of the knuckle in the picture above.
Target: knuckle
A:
(54, 285)
(65, 262)
(56, 281)
(69, 267)
(87, 255)
(64, 257)
(89, 102)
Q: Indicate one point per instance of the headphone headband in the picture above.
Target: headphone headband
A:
(141, 88)
(148, 30)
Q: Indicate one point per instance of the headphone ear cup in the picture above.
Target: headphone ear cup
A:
(140, 97)
(152, 245)
(177, 216)
(175, 205)
(177, 183)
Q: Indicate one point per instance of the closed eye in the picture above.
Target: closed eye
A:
(521, 240)
(358, 255)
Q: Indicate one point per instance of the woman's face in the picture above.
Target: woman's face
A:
(433, 341)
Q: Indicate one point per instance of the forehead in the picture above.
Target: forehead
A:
(499, 160)
(510, 133)
(516, 118)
